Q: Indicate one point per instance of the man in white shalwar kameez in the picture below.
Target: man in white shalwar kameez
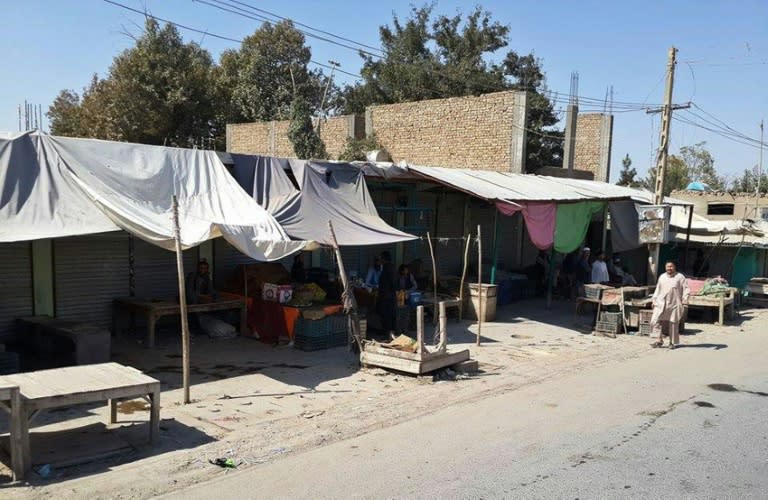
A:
(669, 301)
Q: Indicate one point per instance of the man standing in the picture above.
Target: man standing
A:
(386, 301)
(600, 269)
(669, 301)
(199, 287)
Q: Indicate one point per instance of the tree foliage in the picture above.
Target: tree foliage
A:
(428, 57)
(306, 142)
(701, 166)
(357, 149)
(628, 174)
(747, 183)
(165, 91)
(261, 79)
(677, 176)
(157, 92)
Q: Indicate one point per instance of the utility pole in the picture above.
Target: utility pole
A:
(569, 148)
(759, 174)
(661, 161)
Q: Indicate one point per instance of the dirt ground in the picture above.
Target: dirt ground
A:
(254, 403)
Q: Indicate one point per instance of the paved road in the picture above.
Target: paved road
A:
(690, 423)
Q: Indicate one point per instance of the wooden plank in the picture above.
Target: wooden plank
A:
(446, 359)
(21, 461)
(414, 367)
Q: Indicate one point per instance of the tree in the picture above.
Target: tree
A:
(677, 176)
(357, 149)
(261, 80)
(428, 57)
(306, 143)
(628, 174)
(747, 183)
(701, 166)
(157, 92)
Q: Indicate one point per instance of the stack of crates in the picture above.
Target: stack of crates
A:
(645, 322)
(609, 322)
(318, 334)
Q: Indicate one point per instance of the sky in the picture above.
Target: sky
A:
(50, 45)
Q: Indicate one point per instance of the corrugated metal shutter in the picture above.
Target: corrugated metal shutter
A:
(450, 224)
(155, 270)
(16, 298)
(226, 258)
(89, 272)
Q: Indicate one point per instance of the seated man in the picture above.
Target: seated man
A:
(199, 287)
(374, 274)
(405, 280)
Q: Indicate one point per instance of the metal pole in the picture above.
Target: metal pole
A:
(434, 278)
(550, 277)
(495, 246)
(759, 173)
(688, 236)
(182, 302)
(661, 164)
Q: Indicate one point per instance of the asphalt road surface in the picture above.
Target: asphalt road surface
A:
(689, 423)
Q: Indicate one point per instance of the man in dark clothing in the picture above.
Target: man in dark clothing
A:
(199, 286)
(386, 300)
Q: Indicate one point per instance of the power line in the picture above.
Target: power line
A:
(307, 26)
(214, 35)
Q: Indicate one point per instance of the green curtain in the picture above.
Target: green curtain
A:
(744, 267)
(572, 222)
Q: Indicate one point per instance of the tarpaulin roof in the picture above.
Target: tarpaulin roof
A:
(512, 188)
(328, 191)
(55, 186)
(718, 232)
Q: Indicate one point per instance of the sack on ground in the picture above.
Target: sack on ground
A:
(215, 328)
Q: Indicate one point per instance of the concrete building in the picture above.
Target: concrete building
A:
(726, 206)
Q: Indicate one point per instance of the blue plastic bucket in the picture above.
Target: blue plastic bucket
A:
(414, 298)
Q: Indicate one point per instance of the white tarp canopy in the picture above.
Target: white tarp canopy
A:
(54, 186)
(718, 232)
(512, 188)
(328, 191)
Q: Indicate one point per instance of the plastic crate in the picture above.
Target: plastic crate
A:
(645, 329)
(645, 316)
(593, 292)
(337, 323)
(613, 318)
(311, 327)
(604, 326)
(327, 341)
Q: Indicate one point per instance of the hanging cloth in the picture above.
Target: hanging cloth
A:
(539, 220)
(572, 222)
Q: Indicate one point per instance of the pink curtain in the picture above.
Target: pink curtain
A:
(539, 219)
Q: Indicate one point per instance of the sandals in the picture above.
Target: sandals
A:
(657, 344)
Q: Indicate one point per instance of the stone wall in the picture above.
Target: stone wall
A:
(271, 138)
(483, 132)
(593, 144)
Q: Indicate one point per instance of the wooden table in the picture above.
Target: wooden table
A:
(10, 401)
(154, 309)
(721, 303)
(70, 386)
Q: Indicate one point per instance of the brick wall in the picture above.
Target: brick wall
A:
(467, 132)
(271, 138)
(593, 144)
(483, 132)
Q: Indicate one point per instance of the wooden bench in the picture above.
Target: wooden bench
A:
(155, 309)
(92, 344)
(70, 386)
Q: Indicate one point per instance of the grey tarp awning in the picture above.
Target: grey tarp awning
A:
(328, 191)
(55, 186)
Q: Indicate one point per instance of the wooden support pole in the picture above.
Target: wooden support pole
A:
(688, 239)
(434, 278)
(419, 329)
(182, 303)
(479, 283)
(443, 328)
(495, 261)
(464, 276)
(348, 295)
(550, 277)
